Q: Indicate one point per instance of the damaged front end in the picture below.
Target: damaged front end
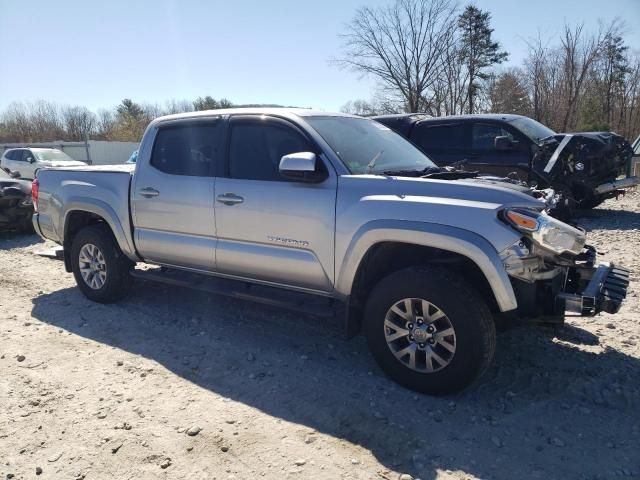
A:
(548, 196)
(554, 272)
(584, 166)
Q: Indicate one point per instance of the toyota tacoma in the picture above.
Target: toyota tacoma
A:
(312, 211)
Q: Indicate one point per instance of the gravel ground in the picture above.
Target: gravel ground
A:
(177, 384)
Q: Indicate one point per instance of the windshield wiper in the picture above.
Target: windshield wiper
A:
(412, 173)
(372, 163)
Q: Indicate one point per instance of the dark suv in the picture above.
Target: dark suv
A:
(582, 166)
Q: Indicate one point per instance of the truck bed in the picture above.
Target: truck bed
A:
(102, 190)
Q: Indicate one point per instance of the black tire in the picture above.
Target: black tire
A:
(468, 314)
(118, 266)
(27, 226)
(592, 201)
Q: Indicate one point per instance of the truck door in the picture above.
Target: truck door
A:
(173, 193)
(484, 157)
(270, 228)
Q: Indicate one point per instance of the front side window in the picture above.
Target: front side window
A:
(27, 156)
(483, 135)
(190, 149)
(256, 147)
(366, 146)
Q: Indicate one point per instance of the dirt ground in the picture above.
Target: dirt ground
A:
(181, 385)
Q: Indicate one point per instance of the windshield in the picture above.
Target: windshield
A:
(532, 129)
(49, 155)
(366, 146)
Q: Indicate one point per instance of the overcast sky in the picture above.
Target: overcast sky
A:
(277, 51)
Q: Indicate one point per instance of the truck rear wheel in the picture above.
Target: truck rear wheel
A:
(101, 270)
(429, 330)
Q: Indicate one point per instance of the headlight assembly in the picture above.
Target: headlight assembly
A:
(546, 231)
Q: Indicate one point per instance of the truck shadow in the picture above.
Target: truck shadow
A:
(10, 240)
(608, 219)
(528, 417)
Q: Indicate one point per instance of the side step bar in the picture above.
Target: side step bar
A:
(300, 302)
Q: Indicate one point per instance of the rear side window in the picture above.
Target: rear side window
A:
(439, 137)
(190, 149)
(15, 155)
(256, 147)
(483, 135)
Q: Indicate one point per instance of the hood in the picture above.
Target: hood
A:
(62, 163)
(547, 196)
(480, 190)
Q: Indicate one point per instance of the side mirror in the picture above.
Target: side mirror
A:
(301, 166)
(31, 160)
(14, 174)
(502, 143)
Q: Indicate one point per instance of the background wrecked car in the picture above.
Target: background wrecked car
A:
(582, 167)
(16, 207)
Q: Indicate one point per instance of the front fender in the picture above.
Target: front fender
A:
(456, 240)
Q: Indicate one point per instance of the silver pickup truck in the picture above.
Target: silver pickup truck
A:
(323, 213)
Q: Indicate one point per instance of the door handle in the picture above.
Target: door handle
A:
(230, 198)
(149, 192)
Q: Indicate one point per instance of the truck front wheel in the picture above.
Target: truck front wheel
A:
(101, 270)
(429, 330)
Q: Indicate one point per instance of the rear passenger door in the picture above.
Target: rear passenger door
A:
(484, 157)
(173, 193)
(445, 143)
(269, 228)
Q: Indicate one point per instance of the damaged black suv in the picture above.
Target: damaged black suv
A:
(582, 167)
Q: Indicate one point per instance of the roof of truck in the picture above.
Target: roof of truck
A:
(418, 117)
(300, 112)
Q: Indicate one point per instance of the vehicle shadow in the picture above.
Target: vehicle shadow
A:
(608, 219)
(11, 239)
(528, 417)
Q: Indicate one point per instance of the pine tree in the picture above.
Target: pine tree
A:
(478, 51)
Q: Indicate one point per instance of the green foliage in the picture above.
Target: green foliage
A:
(508, 94)
(478, 50)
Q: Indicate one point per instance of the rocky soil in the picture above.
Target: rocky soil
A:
(182, 385)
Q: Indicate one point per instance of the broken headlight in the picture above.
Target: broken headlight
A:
(546, 231)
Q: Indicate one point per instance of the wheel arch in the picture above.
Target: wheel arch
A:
(384, 247)
(76, 217)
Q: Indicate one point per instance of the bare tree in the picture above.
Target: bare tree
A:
(46, 121)
(17, 123)
(106, 124)
(359, 107)
(579, 51)
(401, 46)
(79, 123)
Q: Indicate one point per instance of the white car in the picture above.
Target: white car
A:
(27, 161)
